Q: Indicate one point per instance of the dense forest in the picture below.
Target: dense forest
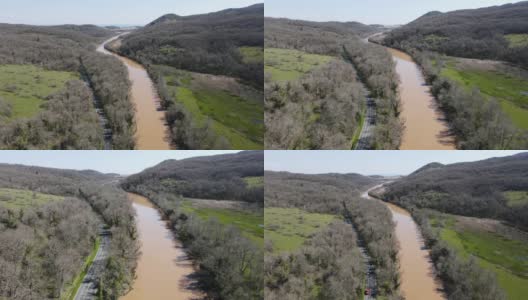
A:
(478, 189)
(337, 100)
(474, 33)
(67, 118)
(230, 265)
(335, 194)
(44, 246)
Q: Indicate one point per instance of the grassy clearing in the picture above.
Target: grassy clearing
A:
(252, 54)
(506, 257)
(288, 228)
(517, 40)
(249, 222)
(287, 65)
(236, 116)
(254, 181)
(516, 198)
(20, 199)
(76, 283)
(510, 90)
(26, 87)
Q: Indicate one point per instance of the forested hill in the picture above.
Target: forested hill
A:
(219, 177)
(315, 193)
(495, 188)
(213, 43)
(489, 33)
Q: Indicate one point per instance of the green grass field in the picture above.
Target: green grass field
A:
(517, 40)
(20, 199)
(249, 222)
(516, 198)
(511, 91)
(506, 257)
(239, 120)
(25, 87)
(254, 181)
(287, 65)
(288, 228)
(252, 54)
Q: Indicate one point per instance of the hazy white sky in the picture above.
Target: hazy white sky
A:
(121, 162)
(106, 12)
(387, 12)
(368, 162)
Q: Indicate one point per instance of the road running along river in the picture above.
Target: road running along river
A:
(418, 280)
(163, 268)
(151, 131)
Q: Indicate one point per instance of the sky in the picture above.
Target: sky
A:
(386, 12)
(120, 162)
(106, 12)
(368, 162)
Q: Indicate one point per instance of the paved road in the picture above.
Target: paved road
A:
(88, 288)
(367, 132)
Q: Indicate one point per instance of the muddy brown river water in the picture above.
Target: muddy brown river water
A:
(418, 281)
(151, 132)
(163, 268)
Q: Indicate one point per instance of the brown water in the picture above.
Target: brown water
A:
(418, 281)
(425, 128)
(151, 132)
(163, 268)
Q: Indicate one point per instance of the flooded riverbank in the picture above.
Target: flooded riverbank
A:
(417, 273)
(151, 132)
(163, 270)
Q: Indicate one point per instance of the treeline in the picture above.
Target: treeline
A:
(329, 266)
(462, 278)
(330, 193)
(473, 33)
(375, 68)
(185, 131)
(87, 195)
(197, 178)
(68, 119)
(230, 265)
(208, 43)
(473, 189)
(478, 122)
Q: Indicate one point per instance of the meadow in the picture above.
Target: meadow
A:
(494, 246)
(236, 110)
(516, 198)
(20, 199)
(252, 54)
(288, 228)
(508, 86)
(517, 40)
(254, 181)
(286, 64)
(25, 87)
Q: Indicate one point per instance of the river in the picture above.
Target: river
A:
(163, 268)
(151, 131)
(418, 281)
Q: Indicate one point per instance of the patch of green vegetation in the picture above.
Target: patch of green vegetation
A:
(237, 119)
(252, 54)
(26, 87)
(249, 222)
(516, 198)
(20, 199)
(511, 91)
(288, 228)
(76, 283)
(507, 258)
(254, 181)
(434, 40)
(287, 65)
(517, 40)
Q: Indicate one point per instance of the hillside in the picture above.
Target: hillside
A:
(495, 32)
(479, 189)
(219, 177)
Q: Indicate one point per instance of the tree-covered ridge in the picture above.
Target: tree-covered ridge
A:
(483, 33)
